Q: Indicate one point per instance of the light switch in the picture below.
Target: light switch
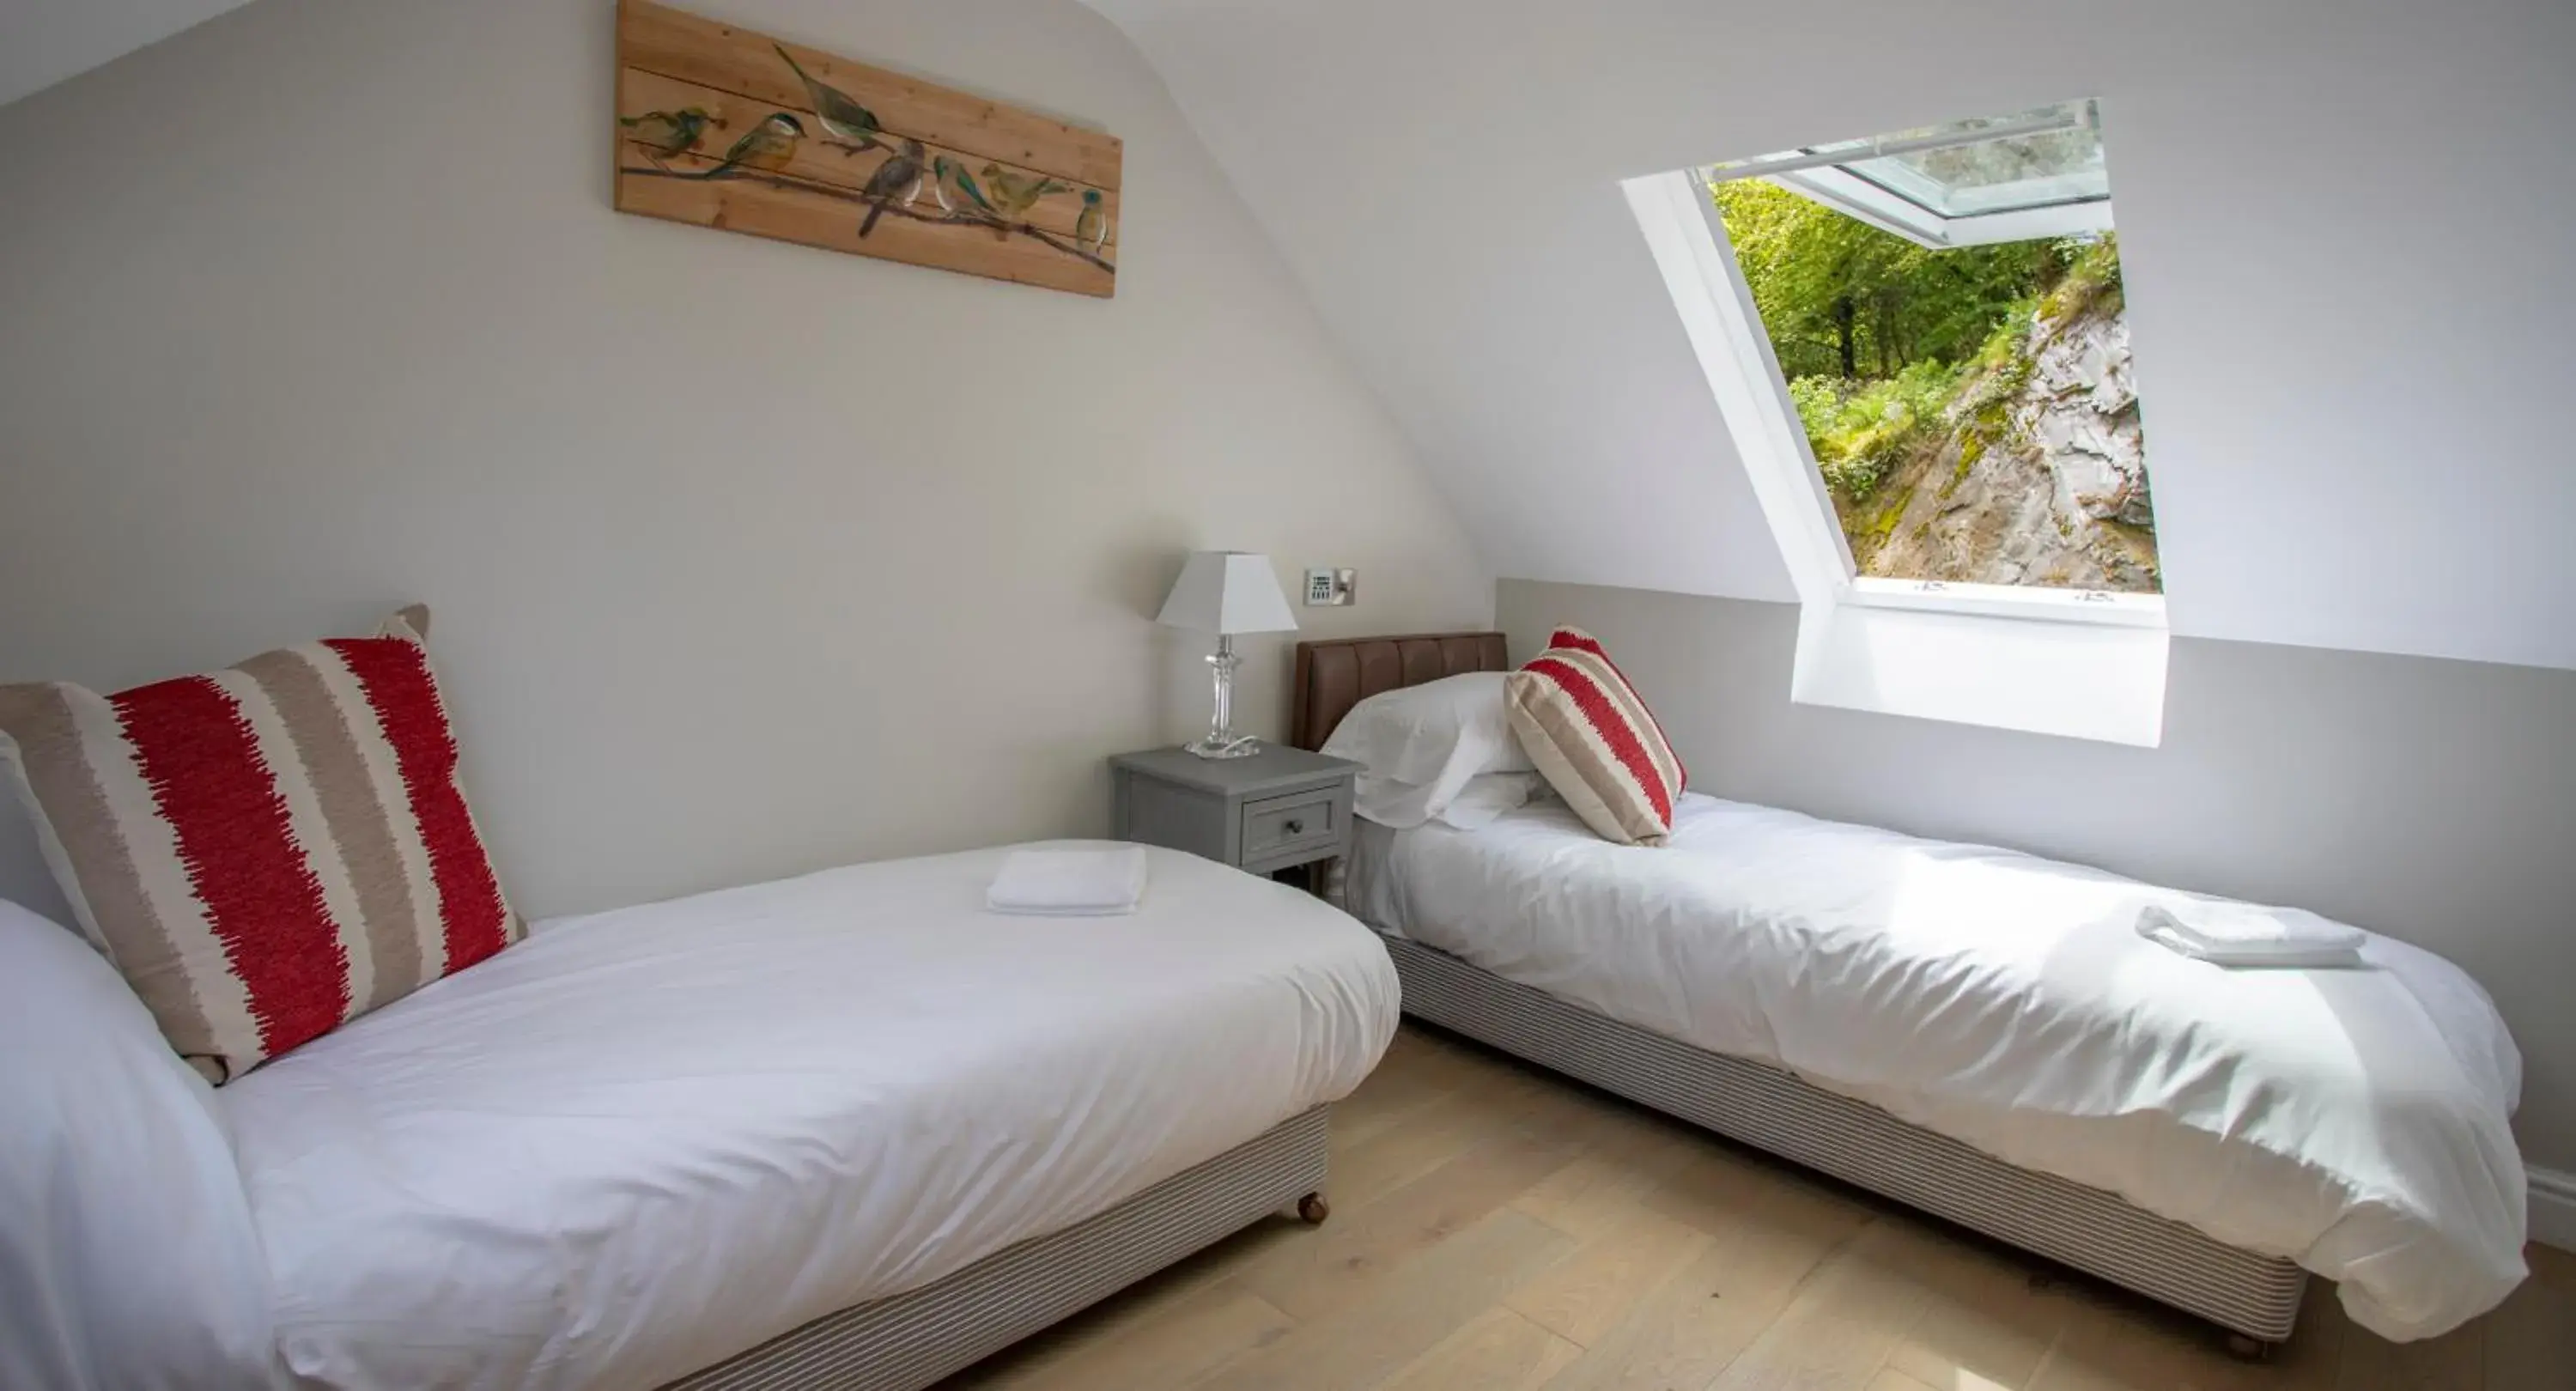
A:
(1329, 588)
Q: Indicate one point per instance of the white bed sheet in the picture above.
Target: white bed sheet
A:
(644, 1140)
(2353, 1120)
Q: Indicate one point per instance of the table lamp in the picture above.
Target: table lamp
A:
(1225, 593)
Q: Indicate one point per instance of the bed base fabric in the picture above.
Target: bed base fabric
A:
(2085, 1228)
(914, 1339)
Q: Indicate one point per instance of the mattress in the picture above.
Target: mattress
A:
(644, 1140)
(2355, 1121)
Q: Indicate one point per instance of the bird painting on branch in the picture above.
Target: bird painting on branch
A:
(1014, 194)
(900, 177)
(849, 126)
(666, 135)
(949, 177)
(767, 148)
(723, 127)
(1092, 226)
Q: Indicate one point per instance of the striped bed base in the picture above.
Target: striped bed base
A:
(2086, 1228)
(912, 1340)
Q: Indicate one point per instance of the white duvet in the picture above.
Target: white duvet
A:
(2353, 1120)
(644, 1140)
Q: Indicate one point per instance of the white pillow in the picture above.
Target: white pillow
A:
(127, 1253)
(1420, 746)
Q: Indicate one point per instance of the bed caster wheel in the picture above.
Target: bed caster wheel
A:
(2245, 1349)
(1312, 1209)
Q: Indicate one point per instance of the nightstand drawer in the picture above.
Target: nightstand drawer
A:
(1279, 827)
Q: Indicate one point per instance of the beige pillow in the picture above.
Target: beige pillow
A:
(1595, 741)
(267, 851)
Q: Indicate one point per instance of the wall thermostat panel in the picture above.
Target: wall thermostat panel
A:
(1329, 588)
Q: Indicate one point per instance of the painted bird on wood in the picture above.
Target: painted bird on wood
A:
(766, 147)
(850, 126)
(1014, 194)
(1093, 225)
(665, 134)
(899, 177)
(950, 176)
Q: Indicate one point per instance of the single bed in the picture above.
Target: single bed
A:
(844, 1130)
(1976, 1032)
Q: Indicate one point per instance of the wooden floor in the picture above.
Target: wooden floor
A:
(1498, 1227)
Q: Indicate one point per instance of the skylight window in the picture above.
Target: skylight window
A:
(1919, 344)
(1967, 399)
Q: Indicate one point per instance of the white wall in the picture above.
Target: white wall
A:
(2345, 226)
(745, 557)
(44, 41)
(2429, 800)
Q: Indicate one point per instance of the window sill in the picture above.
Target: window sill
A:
(2027, 604)
(2075, 679)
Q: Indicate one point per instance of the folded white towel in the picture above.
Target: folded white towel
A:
(1070, 883)
(2241, 934)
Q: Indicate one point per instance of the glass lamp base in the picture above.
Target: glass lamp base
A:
(1221, 740)
(1243, 747)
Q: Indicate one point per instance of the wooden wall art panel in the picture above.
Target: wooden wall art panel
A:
(727, 128)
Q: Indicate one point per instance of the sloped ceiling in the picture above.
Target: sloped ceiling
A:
(2345, 227)
(44, 41)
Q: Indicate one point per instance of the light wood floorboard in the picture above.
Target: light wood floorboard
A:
(1497, 1228)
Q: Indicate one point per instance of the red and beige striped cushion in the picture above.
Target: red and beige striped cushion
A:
(1595, 741)
(266, 851)
(1582, 641)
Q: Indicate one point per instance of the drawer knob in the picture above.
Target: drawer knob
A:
(1295, 827)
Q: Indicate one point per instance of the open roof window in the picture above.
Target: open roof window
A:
(1969, 183)
(1920, 345)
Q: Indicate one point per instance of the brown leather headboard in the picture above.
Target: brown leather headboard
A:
(1336, 675)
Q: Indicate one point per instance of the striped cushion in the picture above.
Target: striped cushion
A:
(1595, 741)
(1582, 641)
(266, 851)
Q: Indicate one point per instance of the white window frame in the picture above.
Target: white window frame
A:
(1895, 213)
(2081, 663)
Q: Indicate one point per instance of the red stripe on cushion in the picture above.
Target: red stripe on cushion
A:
(1582, 641)
(199, 756)
(1614, 730)
(396, 678)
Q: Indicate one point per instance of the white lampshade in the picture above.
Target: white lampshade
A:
(1227, 592)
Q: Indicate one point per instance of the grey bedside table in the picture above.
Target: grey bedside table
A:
(1277, 809)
